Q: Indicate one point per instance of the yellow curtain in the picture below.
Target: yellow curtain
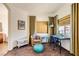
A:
(75, 28)
(64, 21)
(42, 27)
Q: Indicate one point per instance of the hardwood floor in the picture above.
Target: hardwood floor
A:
(3, 49)
(28, 51)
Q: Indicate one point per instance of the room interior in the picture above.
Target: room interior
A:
(42, 27)
(28, 27)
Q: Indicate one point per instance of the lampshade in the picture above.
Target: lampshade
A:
(51, 25)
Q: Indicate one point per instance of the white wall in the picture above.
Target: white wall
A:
(63, 11)
(15, 34)
(42, 18)
(4, 19)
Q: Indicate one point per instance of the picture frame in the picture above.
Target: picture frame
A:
(21, 25)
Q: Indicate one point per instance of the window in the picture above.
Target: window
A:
(65, 30)
(64, 26)
(61, 30)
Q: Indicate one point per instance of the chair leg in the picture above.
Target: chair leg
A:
(60, 47)
(54, 46)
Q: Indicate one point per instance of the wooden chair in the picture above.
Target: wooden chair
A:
(1, 37)
(35, 40)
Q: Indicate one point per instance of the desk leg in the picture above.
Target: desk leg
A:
(60, 47)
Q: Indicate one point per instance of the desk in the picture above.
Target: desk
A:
(57, 39)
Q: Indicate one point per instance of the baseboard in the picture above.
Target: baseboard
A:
(21, 46)
(9, 49)
(72, 53)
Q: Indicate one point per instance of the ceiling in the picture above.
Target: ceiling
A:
(37, 8)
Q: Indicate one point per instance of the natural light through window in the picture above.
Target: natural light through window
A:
(65, 30)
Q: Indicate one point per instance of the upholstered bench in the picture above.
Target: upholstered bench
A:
(21, 42)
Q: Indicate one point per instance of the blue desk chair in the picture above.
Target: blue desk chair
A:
(54, 40)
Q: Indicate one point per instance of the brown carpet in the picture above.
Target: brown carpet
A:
(28, 51)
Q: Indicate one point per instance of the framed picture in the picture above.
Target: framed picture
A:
(21, 25)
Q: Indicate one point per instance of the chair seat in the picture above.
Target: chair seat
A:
(35, 40)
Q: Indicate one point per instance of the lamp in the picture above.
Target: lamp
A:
(51, 25)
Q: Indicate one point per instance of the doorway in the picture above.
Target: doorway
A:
(3, 30)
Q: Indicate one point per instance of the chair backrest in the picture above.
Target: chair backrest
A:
(54, 39)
